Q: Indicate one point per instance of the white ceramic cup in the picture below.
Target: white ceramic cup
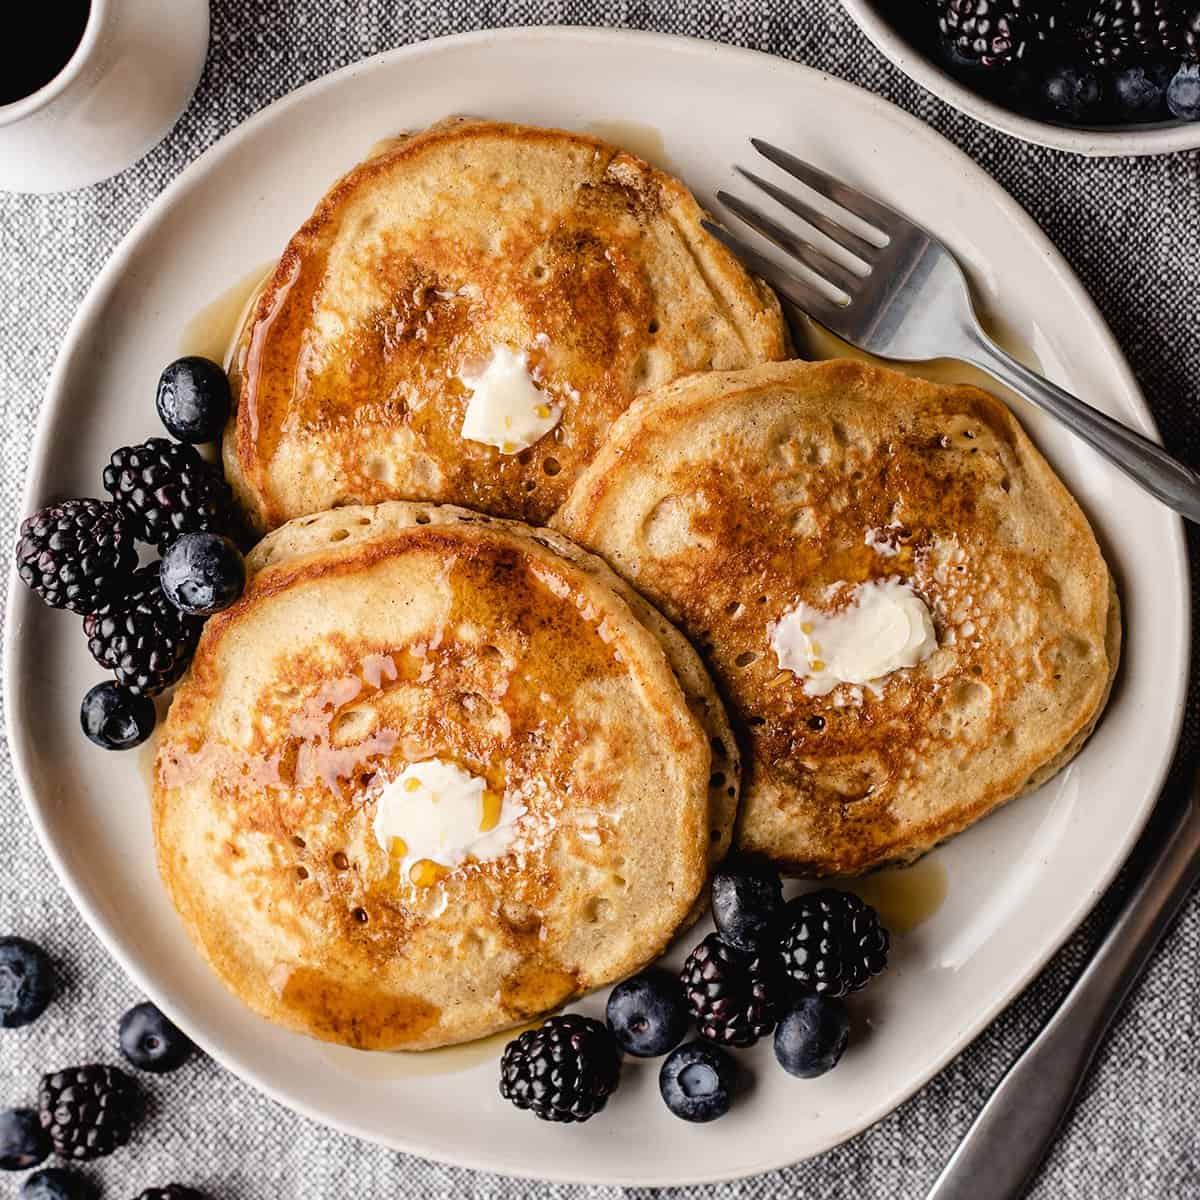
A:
(130, 77)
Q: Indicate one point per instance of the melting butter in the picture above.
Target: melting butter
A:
(886, 627)
(507, 409)
(434, 816)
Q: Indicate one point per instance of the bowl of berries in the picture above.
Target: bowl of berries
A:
(1096, 77)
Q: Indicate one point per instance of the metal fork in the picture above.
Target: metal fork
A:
(910, 303)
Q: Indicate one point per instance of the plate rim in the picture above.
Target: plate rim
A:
(54, 400)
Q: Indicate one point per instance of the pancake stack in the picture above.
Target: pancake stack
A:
(370, 639)
(730, 499)
(351, 374)
(441, 770)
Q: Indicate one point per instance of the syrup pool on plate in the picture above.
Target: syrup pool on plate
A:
(211, 331)
(905, 897)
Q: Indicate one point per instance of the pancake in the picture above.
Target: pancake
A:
(732, 499)
(579, 267)
(373, 643)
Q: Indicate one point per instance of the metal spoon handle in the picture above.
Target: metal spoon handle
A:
(1012, 1134)
(1144, 461)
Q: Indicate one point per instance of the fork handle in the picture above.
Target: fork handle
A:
(1144, 461)
(1002, 1150)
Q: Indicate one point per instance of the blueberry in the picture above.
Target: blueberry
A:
(647, 1014)
(23, 1141)
(696, 1082)
(811, 1037)
(193, 399)
(202, 573)
(26, 982)
(151, 1041)
(1183, 93)
(55, 1183)
(1140, 91)
(746, 904)
(114, 718)
(1074, 92)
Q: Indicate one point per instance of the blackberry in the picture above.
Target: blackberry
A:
(1118, 31)
(76, 555)
(142, 637)
(1188, 35)
(733, 996)
(173, 1191)
(564, 1071)
(88, 1111)
(167, 489)
(994, 34)
(832, 943)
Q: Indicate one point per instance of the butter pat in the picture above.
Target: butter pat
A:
(436, 813)
(885, 628)
(507, 409)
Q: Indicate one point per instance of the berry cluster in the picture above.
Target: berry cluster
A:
(1087, 62)
(770, 966)
(143, 623)
(83, 1112)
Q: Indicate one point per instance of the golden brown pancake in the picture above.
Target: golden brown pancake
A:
(351, 373)
(730, 498)
(373, 638)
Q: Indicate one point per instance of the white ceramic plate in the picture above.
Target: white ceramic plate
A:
(1018, 884)
(1117, 141)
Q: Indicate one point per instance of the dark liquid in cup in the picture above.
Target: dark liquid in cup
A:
(52, 33)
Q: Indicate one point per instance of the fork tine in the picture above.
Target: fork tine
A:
(796, 246)
(786, 284)
(846, 238)
(862, 205)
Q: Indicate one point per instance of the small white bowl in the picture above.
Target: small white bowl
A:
(1124, 141)
(130, 77)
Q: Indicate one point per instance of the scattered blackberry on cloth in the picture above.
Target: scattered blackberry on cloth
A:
(56, 1183)
(832, 942)
(166, 489)
(565, 1070)
(88, 1111)
(77, 554)
(26, 982)
(733, 996)
(23, 1142)
(142, 637)
(173, 1191)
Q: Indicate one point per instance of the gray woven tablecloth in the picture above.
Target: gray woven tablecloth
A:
(1131, 229)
